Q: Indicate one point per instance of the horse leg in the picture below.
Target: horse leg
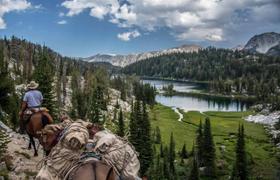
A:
(47, 152)
(29, 146)
(33, 144)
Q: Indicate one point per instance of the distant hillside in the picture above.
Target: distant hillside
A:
(274, 51)
(263, 42)
(124, 60)
(23, 56)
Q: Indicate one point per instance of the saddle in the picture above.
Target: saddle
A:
(29, 112)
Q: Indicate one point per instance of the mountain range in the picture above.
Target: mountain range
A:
(124, 60)
(266, 43)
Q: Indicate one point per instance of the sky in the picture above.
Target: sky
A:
(82, 28)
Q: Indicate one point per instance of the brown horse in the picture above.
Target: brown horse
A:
(35, 124)
(91, 170)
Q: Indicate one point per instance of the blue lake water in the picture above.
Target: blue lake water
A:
(189, 103)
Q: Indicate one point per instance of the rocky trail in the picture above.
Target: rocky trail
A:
(20, 162)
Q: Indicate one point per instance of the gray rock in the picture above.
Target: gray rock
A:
(5, 128)
(3, 166)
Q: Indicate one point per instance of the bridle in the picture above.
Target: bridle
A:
(44, 138)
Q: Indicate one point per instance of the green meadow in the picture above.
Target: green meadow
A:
(261, 153)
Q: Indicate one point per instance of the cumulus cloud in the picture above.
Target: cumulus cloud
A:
(7, 6)
(200, 20)
(127, 36)
(62, 22)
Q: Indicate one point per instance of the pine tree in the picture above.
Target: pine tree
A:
(184, 153)
(4, 140)
(166, 171)
(172, 156)
(147, 154)
(6, 86)
(121, 125)
(209, 151)
(158, 136)
(8, 98)
(199, 142)
(158, 169)
(115, 115)
(82, 103)
(134, 129)
(140, 135)
(43, 75)
(240, 170)
(194, 174)
(95, 109)
(161, 150)
(14, 107)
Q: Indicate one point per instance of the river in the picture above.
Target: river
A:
(189, 103)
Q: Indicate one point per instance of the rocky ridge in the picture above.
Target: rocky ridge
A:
(124, 60)
(262, 43)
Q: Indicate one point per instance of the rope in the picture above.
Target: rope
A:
(127, 156)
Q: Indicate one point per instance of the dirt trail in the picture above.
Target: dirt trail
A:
(23, 165)
(181, 116)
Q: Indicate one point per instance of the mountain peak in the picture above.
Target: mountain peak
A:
(261, 43)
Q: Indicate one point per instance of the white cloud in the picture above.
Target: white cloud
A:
(194, 34)
(7, 6)
(61, 14)
(2, 23)
(39, 6)
(127, 36)
(98, 12)
(186, 19)
(62, 22)
(214, 37)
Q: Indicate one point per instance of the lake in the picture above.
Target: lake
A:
(189, 103)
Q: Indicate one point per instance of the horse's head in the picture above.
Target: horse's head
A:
(49, 137)
(93, 129)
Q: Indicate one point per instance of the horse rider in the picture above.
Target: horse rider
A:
(32, 99)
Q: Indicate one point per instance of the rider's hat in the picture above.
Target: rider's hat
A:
(32, 85)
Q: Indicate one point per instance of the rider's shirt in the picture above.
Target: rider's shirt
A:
(33, 98)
